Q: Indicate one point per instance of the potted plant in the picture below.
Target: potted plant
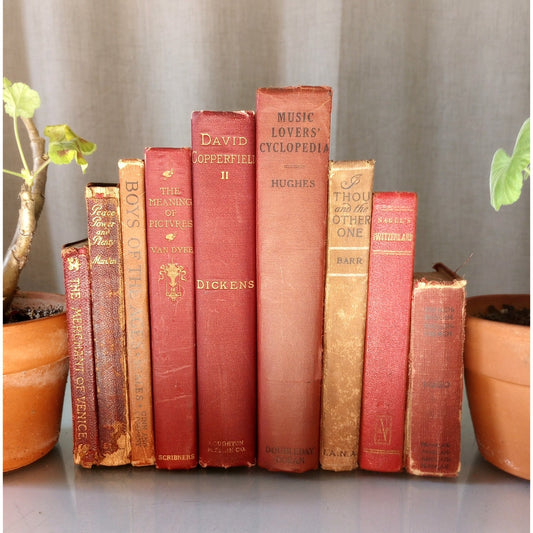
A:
(35, 355)
(497, 342)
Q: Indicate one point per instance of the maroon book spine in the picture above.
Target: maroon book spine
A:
(169, 236)
(390, 282)
(293, 136)
(107, 286)
(75, 257)
(435, 388)
(223, 163)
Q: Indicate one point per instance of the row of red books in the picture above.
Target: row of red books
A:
(247, 301)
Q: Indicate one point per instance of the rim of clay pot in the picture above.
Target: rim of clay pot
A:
(53, 327)
(488, 334)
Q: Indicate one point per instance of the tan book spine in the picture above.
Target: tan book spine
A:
(135, 267)
(349, 214)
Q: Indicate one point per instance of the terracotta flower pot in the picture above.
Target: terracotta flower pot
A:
(35, 359)
(497, 384)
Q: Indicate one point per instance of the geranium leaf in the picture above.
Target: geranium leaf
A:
(66, 146)
(19, 99)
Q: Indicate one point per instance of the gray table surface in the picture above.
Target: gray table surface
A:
(53, 495)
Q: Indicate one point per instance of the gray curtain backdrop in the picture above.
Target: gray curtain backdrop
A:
(428, 88)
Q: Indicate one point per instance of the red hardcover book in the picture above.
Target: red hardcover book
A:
(169, 236)
(390, 282)
(293, 136)
(107, 287)
(223, 164)
(75, 257)
(132, 206)
(435, 387)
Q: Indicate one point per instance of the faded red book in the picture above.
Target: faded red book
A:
(75, 257)
(349, 213)
(133, 219)
(293, 136)
(223, 164)
(169, 236)
(390, 282)
(435, 387)
(107, 287)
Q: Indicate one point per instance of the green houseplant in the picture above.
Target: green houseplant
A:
(35, 355)
(497, 346)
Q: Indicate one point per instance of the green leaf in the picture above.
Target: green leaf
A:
(507, 173)
(19, 99)
(65, 146)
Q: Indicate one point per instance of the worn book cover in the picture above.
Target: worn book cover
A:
(75, 258)
(293, 137)
(133, 220)
(390, 282)
(223, 165)
(435, 386)
(349, 212)
(169, 236)
(107, 287)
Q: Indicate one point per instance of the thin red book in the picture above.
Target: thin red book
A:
(75, 257)
(107, 287)
(134, 254)
(390, 282)
(293, 137)
(435, 388)
(169, 237)
(223, 165)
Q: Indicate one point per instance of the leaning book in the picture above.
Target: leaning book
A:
(75, 258)
(388, 321)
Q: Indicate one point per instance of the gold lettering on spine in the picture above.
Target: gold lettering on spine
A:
(77, 355)
(171, 198)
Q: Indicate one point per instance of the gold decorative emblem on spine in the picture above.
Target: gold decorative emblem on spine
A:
(73, 263)
(172, 274)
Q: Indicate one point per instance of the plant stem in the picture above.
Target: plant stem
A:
(18, 174)
(19, 145)
(31, 205)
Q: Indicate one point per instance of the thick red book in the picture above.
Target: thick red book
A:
(293, 137)
(435, 387)
(75, 257)
(390, 282)
(107, 287)
(223, 164)
(169, 237)
(133, 219)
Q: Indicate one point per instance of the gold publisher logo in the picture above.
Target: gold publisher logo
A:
(171, 274)
(167, 174)
(383, 430)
